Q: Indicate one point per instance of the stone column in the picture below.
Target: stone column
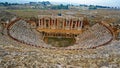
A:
(50, 23)
(71, 25)
(75, 24)
(41, 23)
(78, 25)
(81, 25)
(55, 24)
(38, 24)
(63, 23)
(66, 24)
(45, 23)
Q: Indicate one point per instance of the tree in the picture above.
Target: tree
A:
(92, 7)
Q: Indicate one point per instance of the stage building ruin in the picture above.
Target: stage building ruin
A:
(60, 26)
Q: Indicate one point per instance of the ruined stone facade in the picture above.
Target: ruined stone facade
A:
(60, 25)
(60, 22)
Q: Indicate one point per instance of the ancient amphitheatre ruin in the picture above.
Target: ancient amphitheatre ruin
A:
(32, 36)
(36, 33)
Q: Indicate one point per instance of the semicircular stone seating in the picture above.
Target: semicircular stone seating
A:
(22, 32)
(95, 36)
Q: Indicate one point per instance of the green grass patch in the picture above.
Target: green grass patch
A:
(59, 41)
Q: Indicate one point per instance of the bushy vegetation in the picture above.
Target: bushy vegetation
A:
(61, 6)
(8, 4)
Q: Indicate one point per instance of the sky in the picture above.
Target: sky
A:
(111, 3)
